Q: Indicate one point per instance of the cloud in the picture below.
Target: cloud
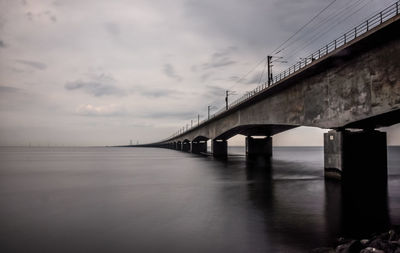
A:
(105, 110)
(171, 115)
(97, 89)
(112, 28)
(2, 44)
(8, 89)
(157, 93)
(33, 64)
(170, 72)
(46, 14)
(255, 78)
(99, 86)
(215, 91)
(220, 59)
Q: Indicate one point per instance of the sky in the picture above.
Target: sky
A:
(99, 72)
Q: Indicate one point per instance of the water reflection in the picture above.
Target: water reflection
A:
(307, 212)
(357, 207)
(155, 200)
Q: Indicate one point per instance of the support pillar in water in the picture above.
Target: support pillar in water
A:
(219, 148)
(199, 147)
(356, 156)
(186, 146)
(258, 147)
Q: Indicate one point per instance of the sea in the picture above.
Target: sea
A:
(110, 199)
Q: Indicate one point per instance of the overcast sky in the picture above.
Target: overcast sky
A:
(101, 72)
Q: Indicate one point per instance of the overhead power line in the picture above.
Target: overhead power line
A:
(299, 30)
(278, 49)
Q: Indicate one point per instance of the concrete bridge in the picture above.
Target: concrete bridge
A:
(352, 86)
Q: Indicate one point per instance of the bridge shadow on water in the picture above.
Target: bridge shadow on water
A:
(307, 211)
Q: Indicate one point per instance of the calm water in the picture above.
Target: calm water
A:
(158, 200)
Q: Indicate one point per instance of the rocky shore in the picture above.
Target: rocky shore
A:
(388, 242)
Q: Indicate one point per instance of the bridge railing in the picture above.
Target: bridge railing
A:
(369, 24)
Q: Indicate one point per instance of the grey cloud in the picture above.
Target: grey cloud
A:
(255, 79)
(204, 77)
(99, 85)
(156, 93)
(112, 28)
(96, 111)
(94, 88)
(2, 44)
(53, 18)
(254, 25)
(215, 90)
(33, 64)
(8, 89)
(29, 15)
(32, 16)
(172, 115)
(220, 59)
(170, 72)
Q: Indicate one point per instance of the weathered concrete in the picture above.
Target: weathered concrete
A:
(219, 148)
(356, 156)
(258, 147)
(355, 86)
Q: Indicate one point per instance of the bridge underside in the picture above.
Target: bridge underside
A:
(254, 130)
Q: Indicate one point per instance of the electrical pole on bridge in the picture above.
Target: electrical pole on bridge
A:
(227, 94)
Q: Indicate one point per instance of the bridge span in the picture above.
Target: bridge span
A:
(351, 86)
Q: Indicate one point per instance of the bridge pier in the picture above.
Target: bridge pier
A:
(219, 148)
(356, 157)
(199, 147)
(260, 147)
(186, 146)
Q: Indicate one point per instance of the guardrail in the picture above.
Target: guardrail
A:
(371, 23)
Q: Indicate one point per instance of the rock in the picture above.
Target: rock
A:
(383, 245)
(364, 242)
(349, 247)
(323, 250)
(371, 250)
(394, 234)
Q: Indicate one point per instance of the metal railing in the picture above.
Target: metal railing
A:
(369, 24)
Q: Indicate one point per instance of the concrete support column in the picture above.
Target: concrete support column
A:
(179, 145)
(356, 157)
(219, 148)
(258, 147)
(199, 147)
(186, 146)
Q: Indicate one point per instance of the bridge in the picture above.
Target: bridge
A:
(351, 86)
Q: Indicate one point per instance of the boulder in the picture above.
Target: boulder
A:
(350, 247)
(371, 250)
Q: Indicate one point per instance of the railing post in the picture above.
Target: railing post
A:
(344, 38)
(397, 8)
(380, 14)
(367, 26)
(355, 32)
(335, 44)
(326, 49)
(319, 53)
